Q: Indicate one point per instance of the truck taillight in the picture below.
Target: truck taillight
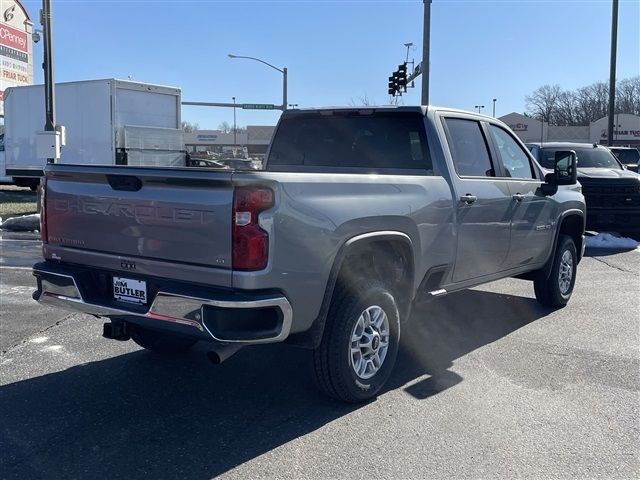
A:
(250, 242)
(42, 188)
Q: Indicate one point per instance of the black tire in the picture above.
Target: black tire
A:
(333, 369)
(548, 290)
(160, 342)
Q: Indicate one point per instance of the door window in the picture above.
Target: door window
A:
(514, 159)
(469, 148)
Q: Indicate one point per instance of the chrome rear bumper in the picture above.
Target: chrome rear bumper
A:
(61, 290)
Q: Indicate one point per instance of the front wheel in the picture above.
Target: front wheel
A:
(556, 290)
(160, 342)
(360, 342)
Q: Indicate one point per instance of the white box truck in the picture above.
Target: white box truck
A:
(107, 122)
(4, 178)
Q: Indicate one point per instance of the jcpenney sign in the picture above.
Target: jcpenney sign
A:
(13, 38)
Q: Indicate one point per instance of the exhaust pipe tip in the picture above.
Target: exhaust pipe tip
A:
(214, 358)
(116, 331)
(222, 352)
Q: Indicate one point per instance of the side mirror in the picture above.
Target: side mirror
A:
(565, 170)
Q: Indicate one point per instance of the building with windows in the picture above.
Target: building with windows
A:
(626, 130)
(256, 139)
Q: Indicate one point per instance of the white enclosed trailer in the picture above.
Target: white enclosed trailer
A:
(107, 122)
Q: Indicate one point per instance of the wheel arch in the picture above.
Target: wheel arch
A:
(393, 247)
(572, 223)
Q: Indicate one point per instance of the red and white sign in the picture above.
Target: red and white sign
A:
(13, 38)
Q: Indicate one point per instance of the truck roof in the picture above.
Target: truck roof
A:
(387, 108)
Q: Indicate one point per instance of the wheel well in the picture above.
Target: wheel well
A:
(390, 261)
(573, 225)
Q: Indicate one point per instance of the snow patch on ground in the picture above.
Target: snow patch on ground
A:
(24, 223)
(607, 240)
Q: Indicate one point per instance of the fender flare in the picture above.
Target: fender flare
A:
(546, 270)
(312, 337)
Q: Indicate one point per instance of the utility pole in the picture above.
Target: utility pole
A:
(284, 88)
(234, 122)
(612, 71)
(426, 68)
(47, 66)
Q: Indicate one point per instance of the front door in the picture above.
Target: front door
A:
(533, 215)
(483, 203)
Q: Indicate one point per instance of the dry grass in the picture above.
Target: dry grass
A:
(16, 201)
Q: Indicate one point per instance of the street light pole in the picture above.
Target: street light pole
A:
(234, 121)
(494, 107)
(479, 107)
(283, 71)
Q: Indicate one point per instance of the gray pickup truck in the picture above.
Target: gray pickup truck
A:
(356, 215)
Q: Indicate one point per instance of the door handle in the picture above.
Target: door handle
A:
(468, 198)
(518, 197)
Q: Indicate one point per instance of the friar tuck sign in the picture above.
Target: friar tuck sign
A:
(16, 47)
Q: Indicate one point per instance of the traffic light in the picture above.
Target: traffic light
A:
(398, 81)
(402, 76)
(393, 87)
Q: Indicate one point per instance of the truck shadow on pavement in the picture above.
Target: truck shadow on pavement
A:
(140, 415)
(444, 330)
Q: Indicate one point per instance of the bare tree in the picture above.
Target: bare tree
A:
(582, 106)
(189, 127)
(542, 104)
(565, 113)
(628, 96)
(224, 127)
(362, 101)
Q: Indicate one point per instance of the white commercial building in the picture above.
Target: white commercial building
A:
(626, 130)
(256, 138)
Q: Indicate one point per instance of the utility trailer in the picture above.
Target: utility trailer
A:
(107, 122)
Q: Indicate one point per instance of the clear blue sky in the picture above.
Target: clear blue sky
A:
(339, 51)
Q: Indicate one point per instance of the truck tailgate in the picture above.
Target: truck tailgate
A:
(169, 215)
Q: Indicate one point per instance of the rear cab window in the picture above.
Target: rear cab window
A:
(324, 141)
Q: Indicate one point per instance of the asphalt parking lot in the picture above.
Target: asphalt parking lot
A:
(488, 385)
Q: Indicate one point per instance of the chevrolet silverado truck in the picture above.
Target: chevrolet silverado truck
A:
(612, 192)
(356, 214)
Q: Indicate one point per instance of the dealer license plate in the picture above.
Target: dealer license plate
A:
(129, 290)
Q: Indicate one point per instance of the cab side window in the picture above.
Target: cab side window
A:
(469, 148)
(514, 159)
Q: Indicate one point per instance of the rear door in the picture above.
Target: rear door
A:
(532, 220)
(483, 207)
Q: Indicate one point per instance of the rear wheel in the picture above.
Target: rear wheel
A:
(556, 290)
(160, 342)
(360, 342)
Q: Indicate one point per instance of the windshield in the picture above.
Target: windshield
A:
(630, 156)
(587, 158)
